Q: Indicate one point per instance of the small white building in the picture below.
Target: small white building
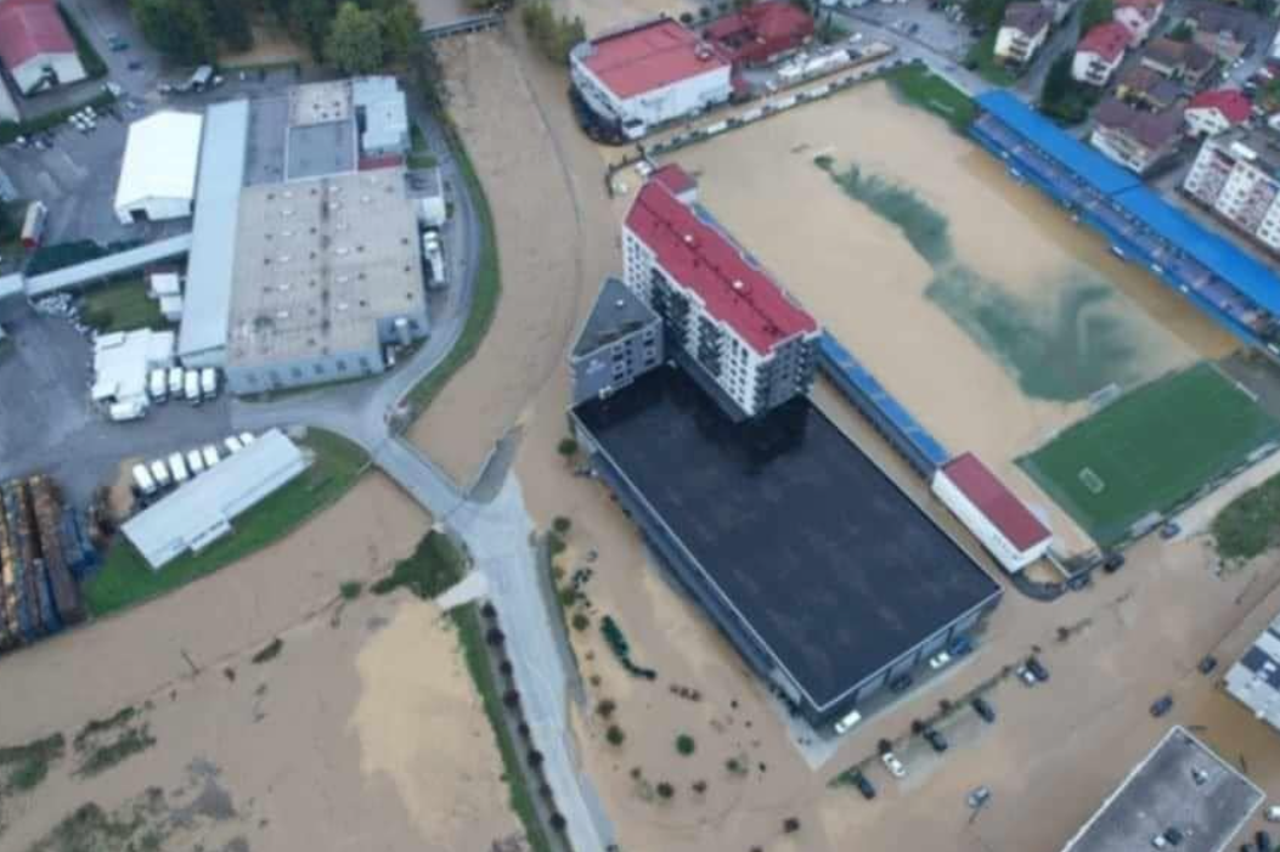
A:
(648, 74)
(1022, 32)
(200, 512)
(158, 175)
(994, 514)
(122, 364)
(36, 47)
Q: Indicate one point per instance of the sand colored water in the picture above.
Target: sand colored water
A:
(946, 333)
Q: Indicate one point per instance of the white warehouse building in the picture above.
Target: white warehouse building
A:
(1001, 522)
(201, 511)
(158, 176)
(650, 73)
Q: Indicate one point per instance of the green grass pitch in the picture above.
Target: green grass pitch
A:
(1149, 450)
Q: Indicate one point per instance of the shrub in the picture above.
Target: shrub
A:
(494, 637)
(615, 735)
(351, 590)
(535, 758)
(489, 611)
(511, 698)
(605, 707)
(270, 652)
(506, 669)
(699, 787)
(791, 825)
(665, 790)
(561, 525)
(558, 822)
(581, 621)
(567, 447)
(685, 745)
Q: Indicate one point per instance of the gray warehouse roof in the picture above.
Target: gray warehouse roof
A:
(208, 297)
(1181, 785)
(201, 511)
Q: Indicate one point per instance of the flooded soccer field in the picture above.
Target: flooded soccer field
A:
(976, 301)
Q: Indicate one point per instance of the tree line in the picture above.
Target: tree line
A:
(358, 37)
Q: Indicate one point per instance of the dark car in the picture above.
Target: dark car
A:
(1263, 840)
(935, 739)
(984, 710)
(901, 683)
(135, 65)
(1162, 705)
(1037, 668)
(1113, 563)
(960, 646)
(1208, 664)
(864, 785)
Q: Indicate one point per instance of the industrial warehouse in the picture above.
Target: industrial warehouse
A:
(826, 576)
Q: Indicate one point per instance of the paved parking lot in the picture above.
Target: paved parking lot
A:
(48, 425)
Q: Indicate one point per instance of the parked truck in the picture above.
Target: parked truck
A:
(195, 461)
(160, 473)
(158, 385)
(191, 386)
(175, 382)
(142, 481)
(178, 467)
(209, 382)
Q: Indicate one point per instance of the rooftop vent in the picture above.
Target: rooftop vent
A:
(739, 286)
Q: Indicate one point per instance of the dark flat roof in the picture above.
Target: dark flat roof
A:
(833, 567)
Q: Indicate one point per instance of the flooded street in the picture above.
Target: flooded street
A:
(976, 302)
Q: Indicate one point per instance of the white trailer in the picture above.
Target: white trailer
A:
(175, 382)
(142, 481)
(233, 445)
(209, 382)
(195, 461)
(134, 409)
(178, 467)
(191, 386)
(160, 473)
(158, 385)
(246, 438)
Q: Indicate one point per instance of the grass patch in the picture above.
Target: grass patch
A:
(917, 84)
(100, 758)
(436, 565)
(89, 829)
(1150, 451)
(99, 726)
(1249, 525)
(126, 579)
(269, 652)
(121, 306)
(23, 767)
(476, 654)
(982, 58)
(484, 296)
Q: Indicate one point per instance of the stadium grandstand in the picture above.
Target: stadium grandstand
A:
(1233, 288)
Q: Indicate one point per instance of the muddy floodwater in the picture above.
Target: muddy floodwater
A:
(975, 300)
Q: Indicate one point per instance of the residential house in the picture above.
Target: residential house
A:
(1135, 139)
(1023, 32)
(1223, 30)
(761, 33)
(1138, 17)
(1214, 112)
(1179, 60)
(1237, 175)
(1143, 86)
(1100, 53)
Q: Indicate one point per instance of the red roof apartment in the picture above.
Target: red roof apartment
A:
(649, 74)
(994, 514)
(761, 33)
(723, 314)
(35, 45)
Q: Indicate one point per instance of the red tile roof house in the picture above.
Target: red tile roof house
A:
(1136, 140)
(740, 335)
(1100, 53)
(1138, 17)
(994, 514)
(1210, 113)
(761, 33)
(35, 45)
(648, 74)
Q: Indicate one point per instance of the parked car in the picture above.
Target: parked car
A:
(1037, 668)
(1263, 841)
(1113, 563)
(939, 660)
(984, 710)
(935, 739)
(1207, 664)
(900, 684)
(979, 797)
(864, 785)
(895, 767)
(1026, 676)
(1162, 705)
(960, 646)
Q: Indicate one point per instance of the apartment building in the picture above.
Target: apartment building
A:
(1237, 175)
(742, 336)
(1136, 140)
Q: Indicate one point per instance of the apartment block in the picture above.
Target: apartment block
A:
(1237, 175)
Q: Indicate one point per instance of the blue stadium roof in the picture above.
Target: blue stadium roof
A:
(1103, 174)
(1251, 277)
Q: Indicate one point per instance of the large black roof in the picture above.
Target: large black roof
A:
(812, 546)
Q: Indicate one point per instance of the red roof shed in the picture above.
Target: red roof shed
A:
(992, 497)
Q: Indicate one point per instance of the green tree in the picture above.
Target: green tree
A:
(401, 31)
(1183, 32)
(312, 20)
(355, 44)
(985, 13)
(1095, 12)
(229, 20)
(177, 28)
(1057, 82)
(553, 36)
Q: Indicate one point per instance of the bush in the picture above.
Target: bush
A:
(567, 447)
(270, 652)
(685, 745)
(615, 735)
(699, 787)
(605, 707)
(351, 590)
(664, 790)
(561, 525)
(553, 35)
(790, 825)
(494, 637)
(535, 758)
(581, 621)
(511, 698)
(558, 822)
